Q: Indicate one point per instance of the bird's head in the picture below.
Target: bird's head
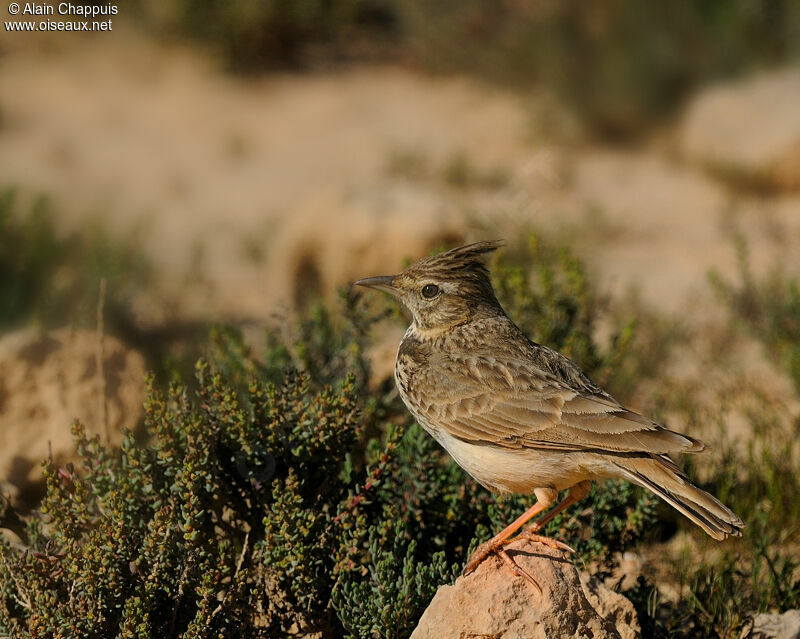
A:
(444, 290)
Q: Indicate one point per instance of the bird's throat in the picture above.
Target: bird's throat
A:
(428, 333)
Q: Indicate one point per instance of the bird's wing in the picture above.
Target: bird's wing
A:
(512, 404)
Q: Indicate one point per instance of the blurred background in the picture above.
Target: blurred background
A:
(240, 162)
(257, 154)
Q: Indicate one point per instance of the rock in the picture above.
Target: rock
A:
(492, 602)
(611, 606)
(766, 626)
(749, 129)
(673, 237)
(46, 382)
(332, 239)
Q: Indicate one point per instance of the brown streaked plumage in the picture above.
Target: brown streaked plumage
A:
(520, 417)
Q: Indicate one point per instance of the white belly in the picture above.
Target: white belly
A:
(519, 471)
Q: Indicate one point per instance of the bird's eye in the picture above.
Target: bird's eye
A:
(429, 291)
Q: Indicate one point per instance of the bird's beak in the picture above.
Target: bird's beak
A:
(383, 283)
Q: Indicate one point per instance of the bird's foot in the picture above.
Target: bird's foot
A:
(518, 570)
(494, 546)
(530, 533)
(481, 553)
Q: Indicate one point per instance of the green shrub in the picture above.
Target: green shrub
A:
(223, 526)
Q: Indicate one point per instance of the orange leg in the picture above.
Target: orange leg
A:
(576, 494)
(495, 545)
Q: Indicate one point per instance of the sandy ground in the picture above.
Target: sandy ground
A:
(243, 191)
(241, 179)
(253, 195)
(237, 189)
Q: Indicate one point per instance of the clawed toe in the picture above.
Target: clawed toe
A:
(481, 553)
(489, 547)
(497, 547)
(547, 541)
(518, 570)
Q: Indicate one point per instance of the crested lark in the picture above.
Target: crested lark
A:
(520, 417)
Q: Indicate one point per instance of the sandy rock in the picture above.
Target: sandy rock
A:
(47, 381)
(674, 237)
(332, 239)
(784, 626)
(611, 606)
(491, 602)
(750, 128)
(645, 221)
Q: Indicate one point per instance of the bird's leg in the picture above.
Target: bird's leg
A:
(496, 542)
(544, 499)
(576, 494)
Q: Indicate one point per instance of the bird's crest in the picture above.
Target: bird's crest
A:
(459, 260)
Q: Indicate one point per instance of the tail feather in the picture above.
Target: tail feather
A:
(660, 475)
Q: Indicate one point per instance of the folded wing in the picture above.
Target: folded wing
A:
(500, 403)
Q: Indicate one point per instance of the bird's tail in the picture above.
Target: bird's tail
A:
(660, 475)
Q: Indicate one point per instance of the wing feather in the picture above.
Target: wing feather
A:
(494, 405)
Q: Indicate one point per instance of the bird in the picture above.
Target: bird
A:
(520, 417)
